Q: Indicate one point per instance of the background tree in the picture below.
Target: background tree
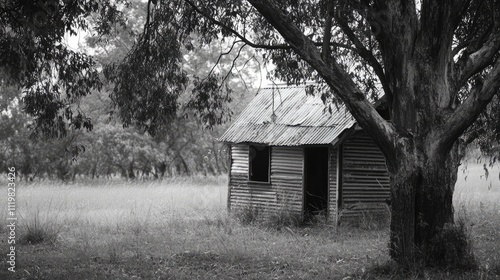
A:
(52, 76)
(185, 147)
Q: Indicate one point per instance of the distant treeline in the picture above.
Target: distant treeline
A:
(110, 152)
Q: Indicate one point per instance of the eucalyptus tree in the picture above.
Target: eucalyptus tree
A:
(34, 57)
(435, 62)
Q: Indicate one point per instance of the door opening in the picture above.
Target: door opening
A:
(316, 181)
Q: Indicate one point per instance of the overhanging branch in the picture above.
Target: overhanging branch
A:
(327, 33)
(246, 40)
(363, 111)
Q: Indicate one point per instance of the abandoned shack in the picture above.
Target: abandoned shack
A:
(289, 153)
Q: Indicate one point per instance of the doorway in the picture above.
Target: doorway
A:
(315, 180)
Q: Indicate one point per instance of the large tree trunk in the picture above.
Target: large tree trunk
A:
(421, 81)
(422, 206)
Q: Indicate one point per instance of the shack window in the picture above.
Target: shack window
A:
(259, 163)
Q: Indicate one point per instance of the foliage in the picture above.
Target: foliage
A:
(485, 132)
(53, 77)
(109, 150)
(182, 146)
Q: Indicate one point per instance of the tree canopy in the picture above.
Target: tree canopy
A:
(109, 150)
(53, 77)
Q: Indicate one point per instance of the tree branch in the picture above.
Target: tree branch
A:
(236, 33)
(232, 64)
(458, 12)
(246, 40)
(363, 111)
(220, 57)
(479, 52)
(470, 64)
(327, 33)
(147, 25)
(467, 112)
(460, 46)
(366, 55)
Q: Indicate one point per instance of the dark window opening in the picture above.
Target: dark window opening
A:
(259, 163)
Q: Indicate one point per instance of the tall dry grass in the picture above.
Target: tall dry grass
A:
(112, 206)
(477, 203)
(180, 228)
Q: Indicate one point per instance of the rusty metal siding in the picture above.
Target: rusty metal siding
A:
(287, 176)
(332, 184)
(365, 179)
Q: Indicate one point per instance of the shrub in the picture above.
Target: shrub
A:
(37, 230)
(247, 215)
(452, 248)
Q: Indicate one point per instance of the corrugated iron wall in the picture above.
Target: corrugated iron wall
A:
(287, 177)
(332, 184)
(239, 160)
(238, 175)
(365, 179)
(284, 193)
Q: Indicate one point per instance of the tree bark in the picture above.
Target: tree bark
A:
(422, 204)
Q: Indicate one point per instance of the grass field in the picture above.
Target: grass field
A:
(180, 229)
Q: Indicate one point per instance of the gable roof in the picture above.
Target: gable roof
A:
(301, 119)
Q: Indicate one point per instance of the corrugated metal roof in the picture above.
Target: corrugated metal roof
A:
(301, 119)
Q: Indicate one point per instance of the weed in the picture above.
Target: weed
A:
(221, 222)
(283, 217)
(388, 269)
(38, 228)
(247, 215)
(114, 250)
(366, 216)
(452, 247)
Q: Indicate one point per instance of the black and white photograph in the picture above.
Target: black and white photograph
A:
(250, 139)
